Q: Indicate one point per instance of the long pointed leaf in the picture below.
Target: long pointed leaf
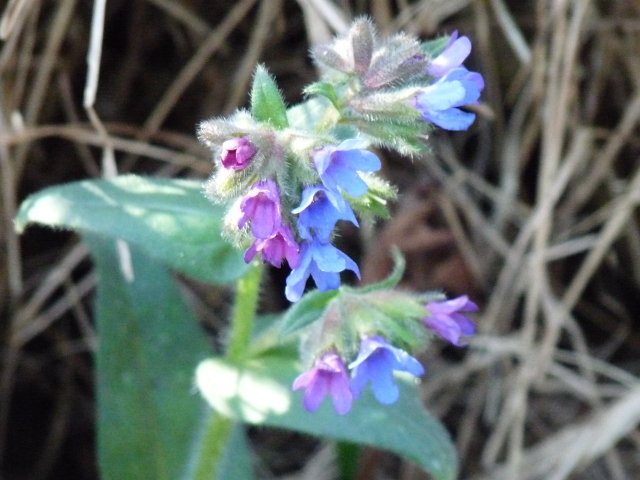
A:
(169, 219)
(149, 345)
(260, 393)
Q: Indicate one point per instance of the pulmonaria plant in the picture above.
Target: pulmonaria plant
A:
(291, 176)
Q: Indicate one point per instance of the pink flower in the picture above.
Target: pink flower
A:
(446, 320)
(237, 153)
(262, 206)
(328, 377)
(278, 246)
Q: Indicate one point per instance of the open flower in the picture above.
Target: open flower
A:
(278, 246)
(375, 363)
(438, 102)
(262, 206)
(446, 320)
(327, 377)
(237, 153)
(338, 165)
(319, 211)
(456, 52)
(323, 262)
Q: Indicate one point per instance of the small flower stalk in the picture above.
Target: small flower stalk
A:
(292, 176)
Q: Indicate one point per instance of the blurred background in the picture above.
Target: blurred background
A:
(533, 212)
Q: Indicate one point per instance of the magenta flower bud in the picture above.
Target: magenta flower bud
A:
(327, 377)
(447, 321)
(262, 206)
(278, 246)
(237, 153)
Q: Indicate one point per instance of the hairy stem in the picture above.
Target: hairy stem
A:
(219, 428)
(244, 312)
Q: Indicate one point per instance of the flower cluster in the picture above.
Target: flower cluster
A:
(377, 359)
(290, 181)
(321, 206)
(289, 175)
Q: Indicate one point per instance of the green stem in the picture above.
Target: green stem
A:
(214, 441)
(219, 427)
(244, 312)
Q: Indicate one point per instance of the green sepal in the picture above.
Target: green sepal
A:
(401, 314)
(374, 203)
(405, 138)
(267, 104)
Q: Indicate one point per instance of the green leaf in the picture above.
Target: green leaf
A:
(148, 417)
(267, 104)
(169, 219)
(323, 89)
(312, 114)
(236, 462)
(260, 393)
(306, 310)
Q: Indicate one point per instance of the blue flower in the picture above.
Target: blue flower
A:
(437, 103)
(319, 211)
(338, 165)
(323, 262)
(376, 362)
(327, 377)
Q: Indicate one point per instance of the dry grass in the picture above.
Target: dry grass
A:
(539, 201)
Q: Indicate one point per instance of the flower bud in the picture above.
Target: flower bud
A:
(237, 153)
(362, 40)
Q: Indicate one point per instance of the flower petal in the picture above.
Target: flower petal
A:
(451, 119)
(316, 391)
(452, 56)
(440, 96)
(382, 382)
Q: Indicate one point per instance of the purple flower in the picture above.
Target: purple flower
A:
(323, 262)
(278, 246)
(319, 211)
(329, 376)
(437, 102)
(262, 206)
(237, 153)
(446, 320)
(456, 52)
(376, 362)
(338, 166)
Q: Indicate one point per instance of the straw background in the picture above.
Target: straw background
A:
(534, 212)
